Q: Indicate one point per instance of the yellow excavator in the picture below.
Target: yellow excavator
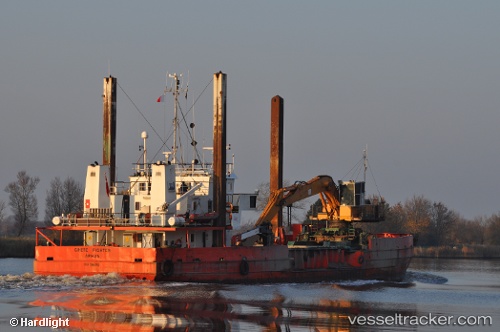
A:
(344, 203)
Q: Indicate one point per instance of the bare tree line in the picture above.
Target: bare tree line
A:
(434, 224)
(62, 197)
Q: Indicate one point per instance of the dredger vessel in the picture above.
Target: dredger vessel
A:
(181, 222)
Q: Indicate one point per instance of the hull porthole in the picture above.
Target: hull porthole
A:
(167, 268)
(361, 260)
(244, 268)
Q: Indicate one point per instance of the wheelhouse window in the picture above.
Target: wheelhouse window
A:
(253, 202)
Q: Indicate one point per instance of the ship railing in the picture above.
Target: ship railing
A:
(104, 217)
(192, 170)
(200, 169)
(47, 239)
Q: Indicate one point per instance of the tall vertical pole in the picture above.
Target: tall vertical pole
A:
(219, 157)
(109, 125)
(276, 169)
(176, 101)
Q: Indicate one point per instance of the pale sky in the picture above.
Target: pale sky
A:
(416, 81)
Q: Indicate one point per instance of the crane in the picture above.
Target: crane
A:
(330, 196)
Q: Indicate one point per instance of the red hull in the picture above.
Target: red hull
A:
(386, 257)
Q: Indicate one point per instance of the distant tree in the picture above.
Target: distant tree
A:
(7, 226)
(442, 221)
(2, 209)
(397, 219)
(22, 200)
(63, 198)
(418, 214)
(2, 217)
(492, 233)
(263, 195)
(466, 231)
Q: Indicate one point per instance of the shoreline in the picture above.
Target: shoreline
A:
(17, 247)
(471, 251)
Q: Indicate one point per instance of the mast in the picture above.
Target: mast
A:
(175, 89)
(276, 158)
(175, 92)
(144, 136)
(219, 157)
(109, 125)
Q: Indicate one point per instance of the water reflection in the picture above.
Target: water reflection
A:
(111, 303)
(195, 307)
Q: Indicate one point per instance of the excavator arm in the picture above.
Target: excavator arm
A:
(329, 193)
(322, 185)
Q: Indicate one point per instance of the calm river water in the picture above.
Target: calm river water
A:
(437, 295)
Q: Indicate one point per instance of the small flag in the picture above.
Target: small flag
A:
(160, 99)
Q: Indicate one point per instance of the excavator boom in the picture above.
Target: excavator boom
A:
(329, 193)
(321, 184)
